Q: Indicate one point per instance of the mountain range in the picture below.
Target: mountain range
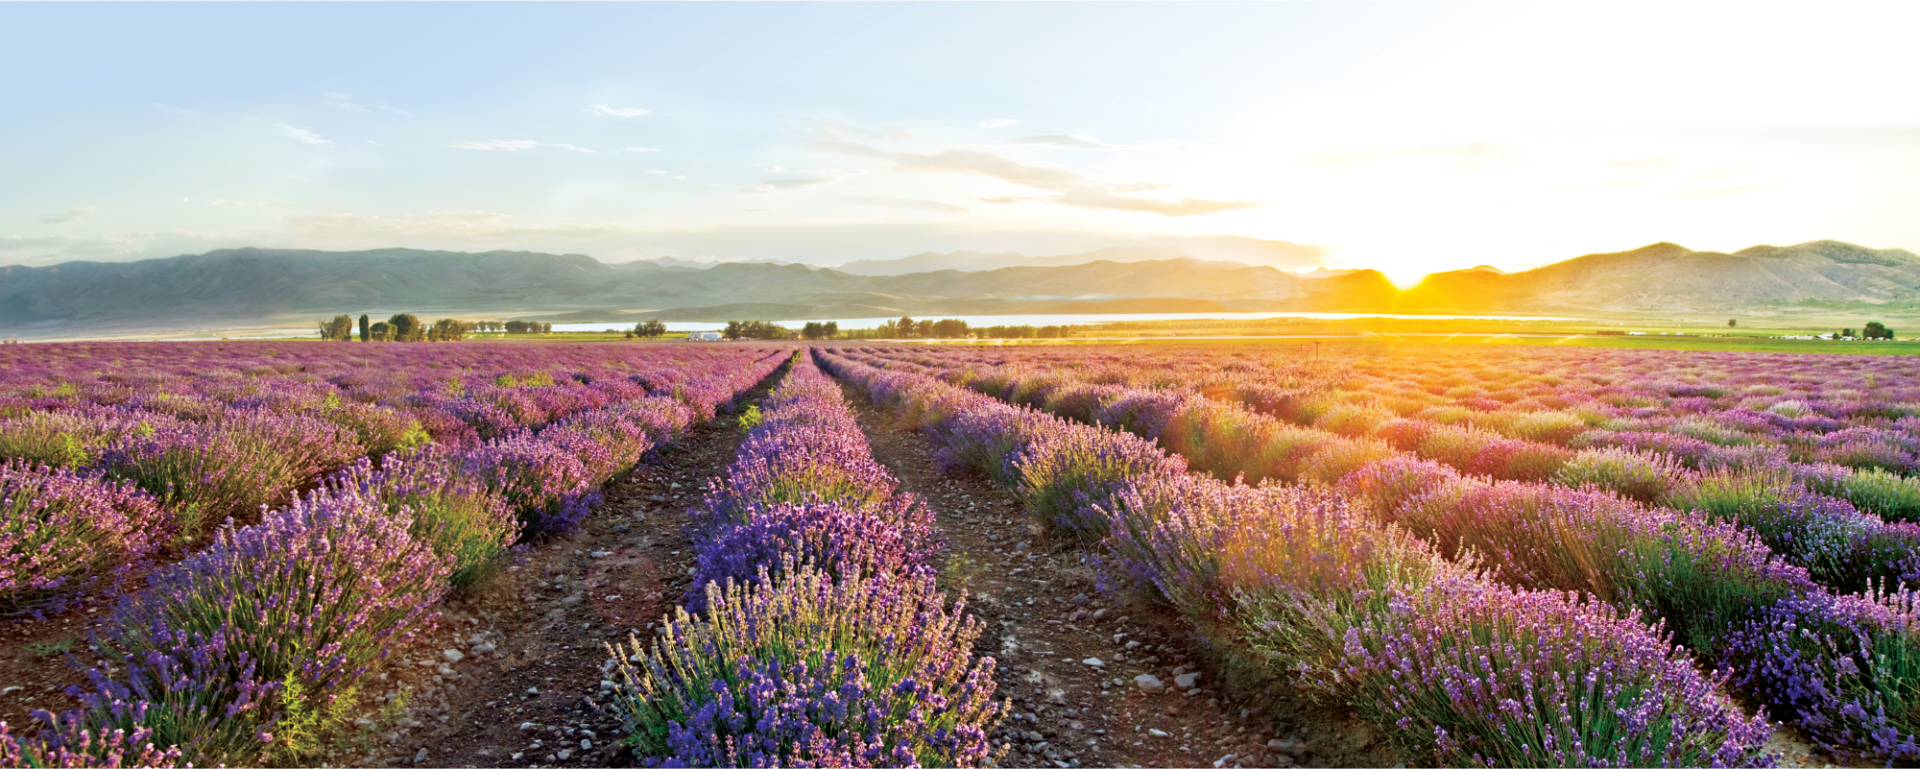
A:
(252, 285)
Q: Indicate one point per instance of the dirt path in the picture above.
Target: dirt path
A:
(1047, 625)
(514, 675)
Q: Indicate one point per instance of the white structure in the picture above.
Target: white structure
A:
(703, 336)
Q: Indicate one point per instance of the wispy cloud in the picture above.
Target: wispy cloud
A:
(999, 122)
(69, 216)
(1694, 193)
(303, 135)
(1064, 187)
(1462, 156)
(602, 109)
(1644, 164)
(909, 204)
(639, 149)
(346, 102)
(1074, 142)
(789, 185)
(572, 148)
(497, 145)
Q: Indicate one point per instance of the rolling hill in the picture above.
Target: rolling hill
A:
(266, 285)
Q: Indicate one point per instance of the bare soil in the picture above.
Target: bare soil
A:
(1048, 622)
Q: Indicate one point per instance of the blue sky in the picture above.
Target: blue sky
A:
(1409, 137)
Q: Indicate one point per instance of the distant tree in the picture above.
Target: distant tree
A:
(340, 329)
(906, 327)
(407, 328)
(812, 330)
(546, 328)
(364, 335)
(831, 329)
(1845, 333)
(381, 332)
(1876, 330)
(518, 327)
(923, 329)
(948, 328)
(1731, 322)
(755, 329)
(447, 330)
(650, 329)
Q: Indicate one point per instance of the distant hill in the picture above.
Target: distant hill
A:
(252, 285)
(1665, 277)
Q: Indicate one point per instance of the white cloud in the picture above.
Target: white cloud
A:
(656, 171)
(999, 122)
(789, 185)
(1461, 156)
(641, 149)
(69, 216)
(303, 135)
(1065, 187)
(1074, 142)
(1695, 193)
(573, 148)
(345, 102)
(909, 204)
(497, 145)
(602, 109)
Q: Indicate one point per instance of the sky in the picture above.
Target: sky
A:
(1409, 138)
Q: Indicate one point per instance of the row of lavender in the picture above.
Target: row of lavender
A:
(1833, 664)
(814, 633)
(1512, 413)
(1296, 584)
(248, 650)
(1842, 547)
(95, 485)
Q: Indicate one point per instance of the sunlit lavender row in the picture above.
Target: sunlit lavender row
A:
(1310, 588)
(281, 521)
(814, 633)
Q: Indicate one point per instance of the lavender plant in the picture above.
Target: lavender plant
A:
(809, 671)
(456, 514)
(62, 531)
(1469, 674)
(844, 543)
(305, 602)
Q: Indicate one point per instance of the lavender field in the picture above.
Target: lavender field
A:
(1438, 555)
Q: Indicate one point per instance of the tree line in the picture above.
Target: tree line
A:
(904, 328)
(406, 327)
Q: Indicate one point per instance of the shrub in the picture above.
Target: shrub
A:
(70, 438)
(73, 745)
(62, 531)
(1066, 473)
(1845, 669)
(1354, 420)
(546, 484)
(811, 671)
(1468, 674)
(203, 473)
(843, 543)
(1890, 496)
(273, 621)
(1840, 547)
(1639, 477)
(457, 515)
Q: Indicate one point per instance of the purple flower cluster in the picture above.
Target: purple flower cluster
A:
(1295, 580)
(1470, 674)
(271, 624)
(829, 643)
(1841, 668)
(272, 619)
(812, 671)
(61, 531)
